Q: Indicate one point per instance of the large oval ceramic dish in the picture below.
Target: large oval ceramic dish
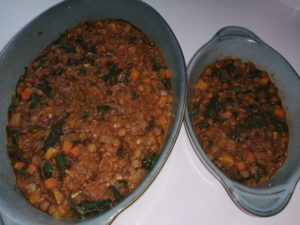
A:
(27, 45)
(237, 42)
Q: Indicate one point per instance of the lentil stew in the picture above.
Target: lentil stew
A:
(88, 118)
(239, 120)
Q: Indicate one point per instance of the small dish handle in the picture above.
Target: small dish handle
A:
(237, 31)
(261, 204)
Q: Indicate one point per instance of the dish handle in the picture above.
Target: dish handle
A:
(261, 204)
(231, 31)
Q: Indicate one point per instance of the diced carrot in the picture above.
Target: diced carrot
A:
(147, 80)
(31, 169)
(264, 80)
(162, 121)
(227, 159)
(249, 157)
(26, 93)
(27, 155)
(241, 165)
(134, 73)
(101, 61)
(50, 183)
(19, 165)
(207, 71)
(121, 48)
(20, 90)
(168, 73)
(15, 119)
(21, 142)
(75, 151)
(127, 28)
(113, 27)
(141, 88)
(201, 85)
(67, 145)
(36, 160)
(279, 113)
(102, 49)
(285, 140)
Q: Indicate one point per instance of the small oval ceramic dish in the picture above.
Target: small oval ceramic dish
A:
(27, 45)
(238, 42)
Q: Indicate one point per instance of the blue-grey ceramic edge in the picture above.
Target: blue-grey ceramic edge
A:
(26, 46)
(238, 42)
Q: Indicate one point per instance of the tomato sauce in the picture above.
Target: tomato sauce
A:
(240, 121)
(89, 118)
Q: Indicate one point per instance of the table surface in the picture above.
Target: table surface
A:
(185, 192)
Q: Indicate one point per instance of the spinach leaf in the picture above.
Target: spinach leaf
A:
(66, 46)
(102, 109)
(255, 73)
(23, 169)
(230, 68)
(111, 78)
(46, 88)
(261, 170)
(108, 92)
(166, 82)
(117, 196)
(88, 60)
(195, 110)
(89, 208)
(61, 164)
(35, 100)
(131, 39)
(90, 23)
(278, 125)
(77, 142)
(155, 65)
(55, 133)
(74, 62)
(14, 134)
(34, 128)
(57, 71)
(46, 169)
(85, 115)
(221, 74)
(150, 124)
(121, 153)
(254, 121)
(149, 160)
(203, 124)
(237, 90)
(135, 94)
(11, 109)
(234, 134)
(209, 142)
(92, 49)
(212, 109)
